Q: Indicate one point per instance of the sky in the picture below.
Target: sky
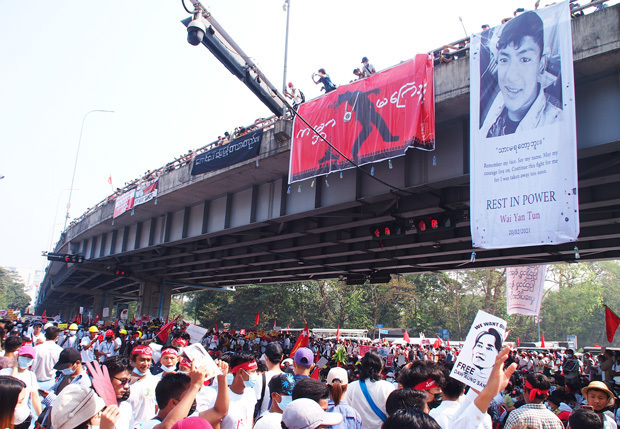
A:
(62, 59)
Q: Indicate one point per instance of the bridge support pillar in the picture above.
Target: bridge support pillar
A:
(154, 299)
(97, 306)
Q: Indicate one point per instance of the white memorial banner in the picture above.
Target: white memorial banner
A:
(484, 341)
(523, 145)
(524, 289)
(124, 202)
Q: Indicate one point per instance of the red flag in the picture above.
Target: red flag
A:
(438, 343)
(44, 316)
(96, 319)
(302, 341)
(406, 337)
(315, 373)
(274, 324)
(116, 323)
(542, 340)
(612, 321)
(518, 342)
(167, 317)
(110, 180)
(165, 331)
(287, 328)
(256, 319)
(338, 334)
(133, 319)
(216, 326)
(448, 343)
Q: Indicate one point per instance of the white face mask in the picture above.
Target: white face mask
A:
(166, 369)
(24, 362)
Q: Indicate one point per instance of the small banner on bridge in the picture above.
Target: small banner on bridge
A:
(239, 150)
(370, 120)
(523, 146)
(524, 289)
(146, 191)
(124, 202)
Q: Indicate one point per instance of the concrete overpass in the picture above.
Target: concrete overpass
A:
(244, 224)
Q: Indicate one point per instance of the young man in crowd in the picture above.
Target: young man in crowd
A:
(88, 344)
(281, 390)
(303, 363)
(534, 413)
(142, 397)
(23, 413)
(120, 376)
(241, 382)
(48, 354)
(11, 345)
(273, 357)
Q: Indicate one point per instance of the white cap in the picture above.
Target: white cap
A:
(337, 373)
(304, 413)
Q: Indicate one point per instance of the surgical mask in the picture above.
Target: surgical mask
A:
(68, 371)
(72, 333)
(252, 381)
(141, 374)
(286, 400)
(24, 362)
(167, 370)
(437, 398)
(230, 378)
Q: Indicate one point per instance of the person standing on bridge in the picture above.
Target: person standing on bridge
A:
(323, 78)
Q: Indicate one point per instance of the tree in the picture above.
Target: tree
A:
(12, 294)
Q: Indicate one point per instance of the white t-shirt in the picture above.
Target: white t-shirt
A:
(240, 410)
(269, 421)
(48, 354)
(206, 398)
(142, 398)
(87, 355)
(125, 421)
(22, 411)
(259, 387)
(379, 392)
(444, 413)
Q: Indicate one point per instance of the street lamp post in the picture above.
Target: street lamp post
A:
(77, 154)
(287, 7)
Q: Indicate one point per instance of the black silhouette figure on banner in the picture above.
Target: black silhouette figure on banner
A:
(366, 115)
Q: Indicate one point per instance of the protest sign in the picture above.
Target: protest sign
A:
(483, 343)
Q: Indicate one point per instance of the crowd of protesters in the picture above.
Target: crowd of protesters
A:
(152, 375)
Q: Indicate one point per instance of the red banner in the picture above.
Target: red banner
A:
(372, 119)
(124, 202)
(365, 349)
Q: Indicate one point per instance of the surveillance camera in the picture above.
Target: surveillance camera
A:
(195, 32)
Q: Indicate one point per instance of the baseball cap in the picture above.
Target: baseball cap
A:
(38, 323)
(27, 351)
(274, 352)
(339, 374)
(282, 383)
(364, 59)
(304, 413)
(304, 357)
(68, 357)
(75, 405)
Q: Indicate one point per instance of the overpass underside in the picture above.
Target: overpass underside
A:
(245, 224)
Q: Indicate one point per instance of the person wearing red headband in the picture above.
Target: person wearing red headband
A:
(534, 413)
(241, 381)
(180, 339)
(142, 397)
(168, 361)
(426, 376)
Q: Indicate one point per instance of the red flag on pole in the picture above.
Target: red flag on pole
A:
(338, 334)
(612, 321)
(287, 328)
(165, 331)
(216, 326)
(256, 319)
(274, 324)
(44, 316)
(302, 341)
(438, 343)
(116, 323)
(518, 342)
(406, 337)
(542, 340)
(133, 319)
(96, 319)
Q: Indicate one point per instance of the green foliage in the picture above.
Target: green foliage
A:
(12, 295)
(572, 304)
